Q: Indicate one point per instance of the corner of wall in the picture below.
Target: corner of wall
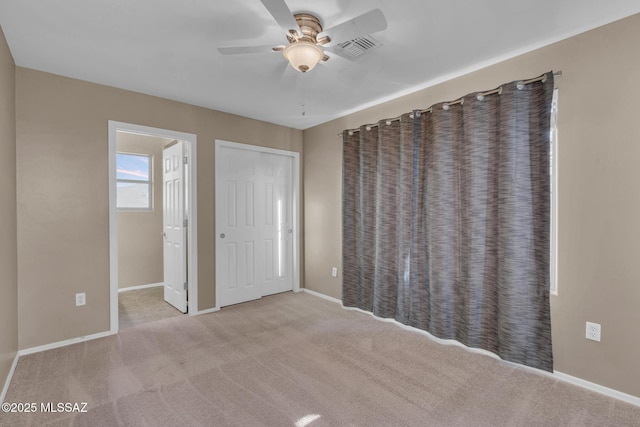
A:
(8, 213)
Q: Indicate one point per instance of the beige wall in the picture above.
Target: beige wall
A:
(140, 244)
(63, 208)
(8, 245)
(62, 167)
(599, 196)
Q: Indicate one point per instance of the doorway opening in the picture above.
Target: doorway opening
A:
(152, 224)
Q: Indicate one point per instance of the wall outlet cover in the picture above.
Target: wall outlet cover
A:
(81, 299)
(593, 331)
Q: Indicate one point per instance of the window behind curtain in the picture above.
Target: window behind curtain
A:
(554, 193)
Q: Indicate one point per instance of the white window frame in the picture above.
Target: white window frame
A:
(148, 182)
(553, 167)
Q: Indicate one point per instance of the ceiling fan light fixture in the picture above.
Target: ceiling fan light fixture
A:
(303, 55)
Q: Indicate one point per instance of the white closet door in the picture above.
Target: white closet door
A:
(254, 255)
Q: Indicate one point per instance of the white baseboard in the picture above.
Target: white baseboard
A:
(46, 347)
(135, 288)
(403, 326)
(63, 343)
(634, 400)
(207, 311)
(323, 296)
(9, 377)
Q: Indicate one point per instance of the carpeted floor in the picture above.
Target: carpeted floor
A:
(143, 306)
(294, 360)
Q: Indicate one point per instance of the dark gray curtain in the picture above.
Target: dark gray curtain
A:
(446, 221)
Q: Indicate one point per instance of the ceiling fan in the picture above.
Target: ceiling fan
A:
(307, 38)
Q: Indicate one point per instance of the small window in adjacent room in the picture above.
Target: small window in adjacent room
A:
(553, 167)
(133, 172)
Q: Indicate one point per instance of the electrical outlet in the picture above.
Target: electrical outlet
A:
(593, 331)
(334, 272)
(81, 299)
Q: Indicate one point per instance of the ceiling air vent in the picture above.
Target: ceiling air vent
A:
(355, 48)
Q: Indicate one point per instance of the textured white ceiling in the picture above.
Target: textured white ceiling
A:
(168, 48)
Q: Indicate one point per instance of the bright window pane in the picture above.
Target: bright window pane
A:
(133, 195)
(133, 172)
(132, 167)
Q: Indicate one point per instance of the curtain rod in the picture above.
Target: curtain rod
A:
(445, 106)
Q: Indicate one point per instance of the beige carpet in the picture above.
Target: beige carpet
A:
(143, 306)
(294, 360)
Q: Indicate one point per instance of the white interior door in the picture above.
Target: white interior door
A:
(275, 222)
(254, 209)
(174, 230)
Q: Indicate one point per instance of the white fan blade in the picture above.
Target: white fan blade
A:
(365, 24)
(282, 14)
(287, 75)
(239, 50)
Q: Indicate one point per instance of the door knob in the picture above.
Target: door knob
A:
(222, 236)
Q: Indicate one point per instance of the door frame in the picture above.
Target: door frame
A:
(191, 205)
(295, 202)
